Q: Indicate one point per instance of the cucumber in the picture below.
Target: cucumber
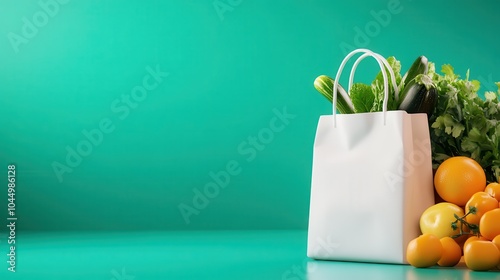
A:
(324, 85)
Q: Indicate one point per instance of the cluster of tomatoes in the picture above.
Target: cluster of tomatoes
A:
(464, 224)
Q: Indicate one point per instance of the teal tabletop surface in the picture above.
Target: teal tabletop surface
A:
(197, 255)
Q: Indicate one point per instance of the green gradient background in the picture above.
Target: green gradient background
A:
(226, 77)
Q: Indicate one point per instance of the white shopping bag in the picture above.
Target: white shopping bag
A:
(371, 181)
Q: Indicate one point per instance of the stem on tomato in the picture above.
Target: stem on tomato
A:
(473, 228)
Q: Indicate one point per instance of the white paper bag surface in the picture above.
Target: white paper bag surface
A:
(371, 181)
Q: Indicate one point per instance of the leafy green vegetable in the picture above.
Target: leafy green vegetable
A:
(463, 123)
(362, 97)
(378, 87)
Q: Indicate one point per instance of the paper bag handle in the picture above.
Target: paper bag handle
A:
(383, 64)
(387, 66)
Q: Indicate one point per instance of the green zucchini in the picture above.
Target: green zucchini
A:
(324, 85)
(419, 94)
(419, 98)
(419, 66)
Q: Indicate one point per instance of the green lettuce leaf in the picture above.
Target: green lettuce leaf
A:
(378, 86)
(362, 97)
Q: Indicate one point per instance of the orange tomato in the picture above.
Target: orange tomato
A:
(458, 178)
(481, 255)
(496, 241)
(461, 240)
(452, 253)
(483, 203)
(474, 238)
(424, 251)
(493, 189)
(489, 225)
